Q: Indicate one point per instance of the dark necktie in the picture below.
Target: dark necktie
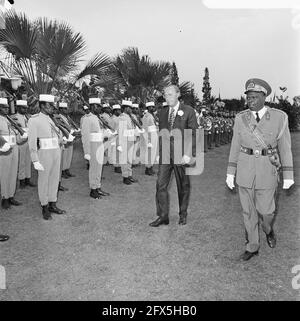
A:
(171, 119)
(257, 117)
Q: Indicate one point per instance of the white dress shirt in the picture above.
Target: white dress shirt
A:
(261, 112)
(176, 107)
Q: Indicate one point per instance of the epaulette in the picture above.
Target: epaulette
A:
(243, 111)
(278, 110)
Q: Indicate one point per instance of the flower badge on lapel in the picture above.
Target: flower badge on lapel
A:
(180, 113)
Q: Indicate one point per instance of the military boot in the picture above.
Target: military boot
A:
(94, 194)
(45, 212)
(22, 183)
(5, 203)
(127, 181)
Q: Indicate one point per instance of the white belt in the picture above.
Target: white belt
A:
(96, 137)
(129, 132)
(11, 139)
(49, 143)
(152, 129)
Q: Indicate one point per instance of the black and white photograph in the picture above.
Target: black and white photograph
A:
(149, 152)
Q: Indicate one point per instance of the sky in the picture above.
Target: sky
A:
(235, 44)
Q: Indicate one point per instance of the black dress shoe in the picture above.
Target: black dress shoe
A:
(5, 204)
(14, 202)
(45, 212)
(248, 255)
(127, 181)
(271, 239)
(132, 180)
(102, 193)
(67, 172)
(52, 208)
(159, 221)
(3, 238)
(22, 183)
(182, 220)
(94, 194)
(29, 183)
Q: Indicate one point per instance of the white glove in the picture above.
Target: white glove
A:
(38, 166)
(141, 131)
(87, 157)
(120, 149)
(64, 140)
(149, 145)
(70, 138)
(230, 181)
(185, 159)
(287, 183)
(24, 136)
(5, 147)
(72, 131)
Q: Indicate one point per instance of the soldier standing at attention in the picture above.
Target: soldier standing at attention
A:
(92, 136)
(115, 125)
(24, 171)
(8, 161)
(260, 133)
(44, 140)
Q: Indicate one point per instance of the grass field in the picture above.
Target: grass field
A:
(105, 250)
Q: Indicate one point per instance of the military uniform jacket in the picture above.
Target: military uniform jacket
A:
(22, 120)
(257, 169)
(126, 127)
(90, 125)
(115, 122)
(41, 126)
(149, 123)
(10, 134)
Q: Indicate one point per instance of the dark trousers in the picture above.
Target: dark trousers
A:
(162, 194)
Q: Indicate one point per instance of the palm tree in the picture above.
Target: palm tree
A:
(46, 52)
(137, 76)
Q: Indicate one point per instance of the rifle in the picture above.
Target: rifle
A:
(15, 125)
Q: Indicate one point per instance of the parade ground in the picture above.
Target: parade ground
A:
(105, 249)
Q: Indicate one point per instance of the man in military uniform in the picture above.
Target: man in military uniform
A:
(126, 141)
(67, 152)
(44, 140)
(260, 135)
(105, 115)
(150, 138)
(8, 161)
(24, 170)
(92, 136)
(115, 125)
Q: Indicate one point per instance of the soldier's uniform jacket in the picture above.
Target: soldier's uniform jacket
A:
(8, 132)
(22, 120)
(115, 122)
(126, 127)
(91, 131)
(42, 133)
(273, 129)
(149, 123)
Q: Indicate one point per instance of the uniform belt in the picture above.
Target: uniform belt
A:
(49, 143)
(257, 152)
(96, 137)
(11, 139)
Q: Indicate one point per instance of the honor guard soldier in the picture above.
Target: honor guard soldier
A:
(115, 124)
(10, 133)
(67, 153)
(260, 135)
(135, 115)
(92, 136)
(105, 115)
(44, 139)
(150, 141)
(24, 170)
(126, 141)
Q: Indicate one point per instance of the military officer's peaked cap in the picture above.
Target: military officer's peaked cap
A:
(258, 85)
(3, 101)
(95, 101)
(22, 103)
(47, 98)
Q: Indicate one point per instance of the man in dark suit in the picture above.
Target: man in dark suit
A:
(177, 149)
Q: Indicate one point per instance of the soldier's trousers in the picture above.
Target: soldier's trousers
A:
(126, 159)
(24, 170)
(8, 173)
(96, 164)
(209, 141)
(67, 157)
(258, 206)
(48, 179)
